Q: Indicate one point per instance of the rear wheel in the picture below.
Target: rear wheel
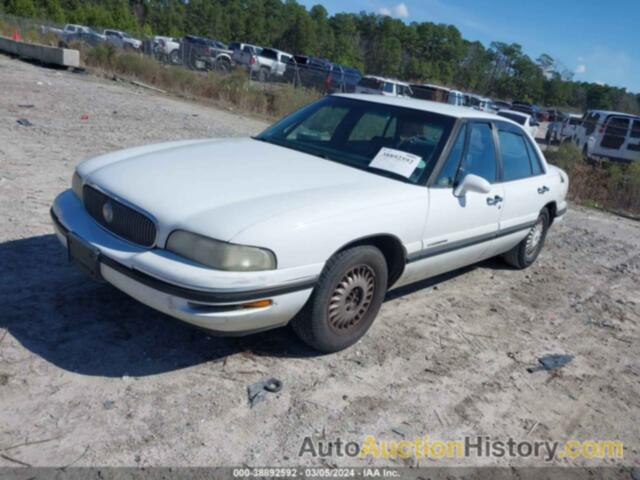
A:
(527, 251)
(174, 57)
(346, 300)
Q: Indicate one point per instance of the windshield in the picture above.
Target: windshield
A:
(387, 140)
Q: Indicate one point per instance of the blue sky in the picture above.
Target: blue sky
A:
(598, 40)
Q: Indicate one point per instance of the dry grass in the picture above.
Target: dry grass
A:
(612, 186)
(233, 89)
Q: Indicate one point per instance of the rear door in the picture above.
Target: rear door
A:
(459, 230)
(632, 147)
(615, 134)
(526, 186)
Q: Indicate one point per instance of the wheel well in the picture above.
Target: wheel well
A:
(392, 250)
(552, 208)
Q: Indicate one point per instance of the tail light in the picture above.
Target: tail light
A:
(207, 51)
(602, 127)
(253, 60)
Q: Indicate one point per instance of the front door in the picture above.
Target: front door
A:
(459, 230)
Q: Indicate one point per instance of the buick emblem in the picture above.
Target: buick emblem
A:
(107, 212)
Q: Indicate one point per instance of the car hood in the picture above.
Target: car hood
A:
(220, 187)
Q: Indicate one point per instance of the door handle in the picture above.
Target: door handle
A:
(494, 201)
(543, 189)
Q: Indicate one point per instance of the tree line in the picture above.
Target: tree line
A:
(423, 52)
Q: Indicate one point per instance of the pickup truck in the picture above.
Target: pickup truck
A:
(122, 39)
(73, 32)
(167, 49)
(266, 64)
(199, 53)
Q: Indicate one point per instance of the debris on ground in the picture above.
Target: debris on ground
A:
(551, 362)
(26, 105)
(258, 391)
(108, 404)
(84, 117)
(24, 122)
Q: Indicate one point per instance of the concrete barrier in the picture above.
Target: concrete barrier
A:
(50, 55)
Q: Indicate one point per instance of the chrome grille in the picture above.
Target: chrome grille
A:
(118, 218)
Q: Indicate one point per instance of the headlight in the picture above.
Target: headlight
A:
(220, 255)
(76, 185)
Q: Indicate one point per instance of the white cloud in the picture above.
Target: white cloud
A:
(399, 11)
(582, 68)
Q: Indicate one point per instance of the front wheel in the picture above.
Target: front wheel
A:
(526, 252)
(345, 301)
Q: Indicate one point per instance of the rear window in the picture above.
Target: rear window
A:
(234, 46)
(268, 53)
(516, 118)
(575, 121)
(617, 126)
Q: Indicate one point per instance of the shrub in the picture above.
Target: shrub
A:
(233, 89)
(609, 185)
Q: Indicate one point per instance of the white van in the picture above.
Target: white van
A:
(383, 86)
(616, 138)
(456, 98)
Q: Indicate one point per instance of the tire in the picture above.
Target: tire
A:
(223, 65)
(174, 57)
(526, 252)
(346, 300)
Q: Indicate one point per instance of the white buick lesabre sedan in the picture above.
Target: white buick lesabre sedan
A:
(315, 219)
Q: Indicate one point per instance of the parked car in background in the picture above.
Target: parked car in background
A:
(616, 138)
(434, 93)
(500, 105)
(529, 123)
(480, 103)
(563, 127)
(383, 86)
(308, 71)
(76, 33)
(456, 97)
(530, 109)
(237, 49)
(267, 63)
(167, 49)
(122, 39)
(321, 74)
(347, 198)
(201, 53)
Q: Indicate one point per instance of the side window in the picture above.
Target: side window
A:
(388, 87)
(480, 158)
(447, 176)
(536, 164)
(635, 129)
(590, 124)
(515, 158)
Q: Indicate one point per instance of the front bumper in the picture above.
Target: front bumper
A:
(211, 299)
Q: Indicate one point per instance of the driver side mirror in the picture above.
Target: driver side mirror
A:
(472, 183)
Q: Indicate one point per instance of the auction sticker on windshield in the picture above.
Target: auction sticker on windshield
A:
(396, 161)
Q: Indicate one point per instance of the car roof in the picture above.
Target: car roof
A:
(425, 105)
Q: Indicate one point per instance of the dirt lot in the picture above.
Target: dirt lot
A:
(100, 379)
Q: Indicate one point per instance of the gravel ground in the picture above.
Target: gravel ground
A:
(100, 379)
